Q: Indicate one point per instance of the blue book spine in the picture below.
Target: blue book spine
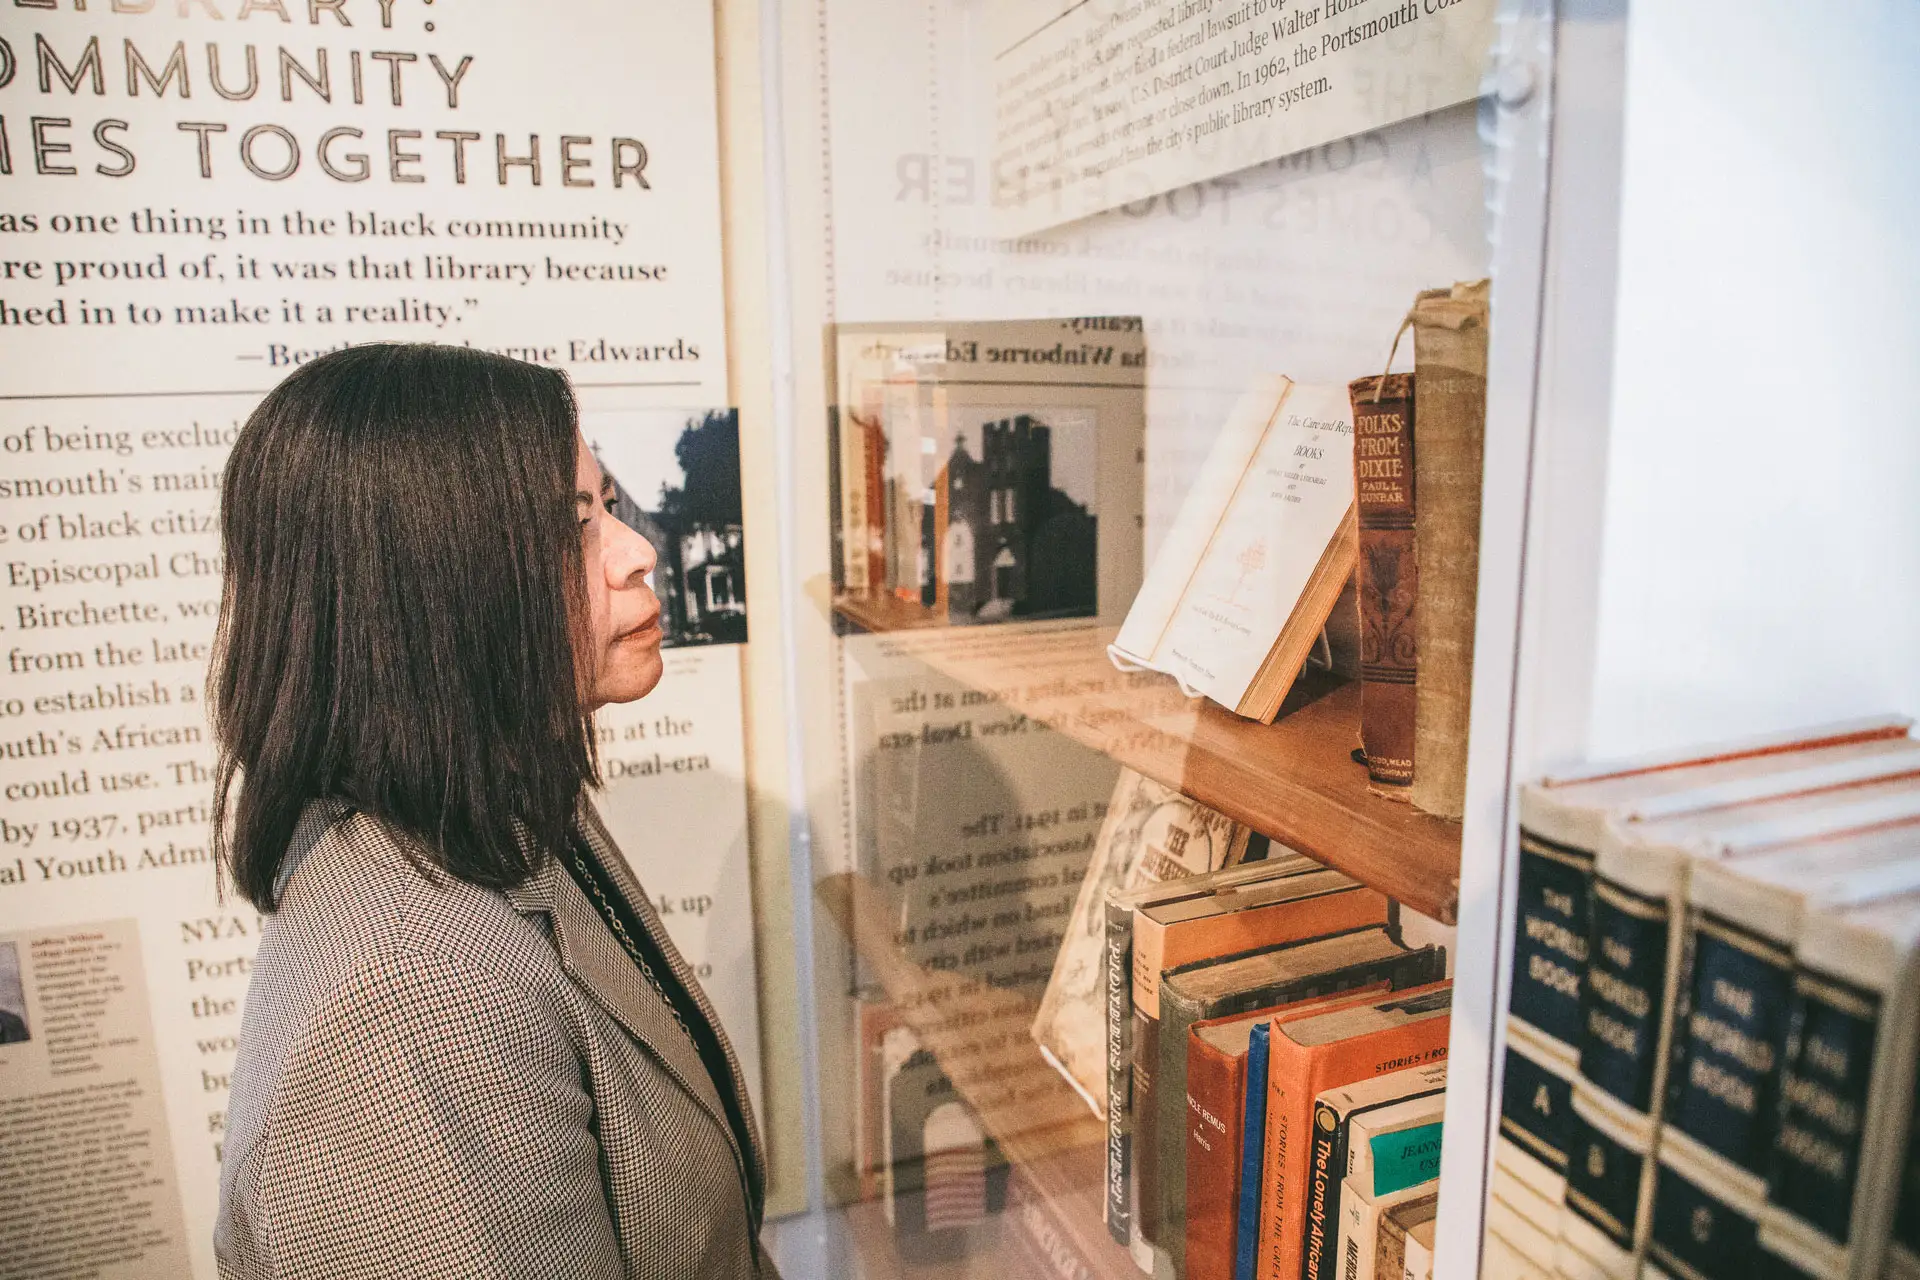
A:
(1246, 1240)
(1623, 1004)
(1824, 1086)
(1725, 1087)
(1544, 1017)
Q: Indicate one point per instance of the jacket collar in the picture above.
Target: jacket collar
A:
(593, 958)
(315, 821)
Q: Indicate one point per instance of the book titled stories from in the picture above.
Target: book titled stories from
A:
(1311, 1055)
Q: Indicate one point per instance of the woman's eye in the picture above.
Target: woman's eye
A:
(608, 504)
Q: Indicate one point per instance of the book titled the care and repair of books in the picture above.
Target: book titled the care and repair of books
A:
(1262, 549)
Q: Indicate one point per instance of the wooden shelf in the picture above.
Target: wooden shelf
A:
(1293, 780)
(887, 613)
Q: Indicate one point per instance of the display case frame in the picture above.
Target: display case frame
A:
(1553, 113)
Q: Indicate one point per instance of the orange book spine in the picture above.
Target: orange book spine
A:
(1296, 1074)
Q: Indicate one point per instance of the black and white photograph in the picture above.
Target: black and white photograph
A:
(993, 508)
(13, 997)
(1022, 536)
(677, 483)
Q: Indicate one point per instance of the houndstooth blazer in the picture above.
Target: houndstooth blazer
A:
(440, 1080)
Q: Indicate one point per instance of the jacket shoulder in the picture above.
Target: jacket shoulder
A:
(360, 894)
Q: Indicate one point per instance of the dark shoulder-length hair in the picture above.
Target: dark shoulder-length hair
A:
(402, 611)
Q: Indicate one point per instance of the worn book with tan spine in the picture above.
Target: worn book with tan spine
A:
(1450, 410)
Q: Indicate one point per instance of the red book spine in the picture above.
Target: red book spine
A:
(1385, 576)
(1216, 1108)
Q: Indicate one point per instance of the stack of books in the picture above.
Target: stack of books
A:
(1711, 1033)
(1276, 1068)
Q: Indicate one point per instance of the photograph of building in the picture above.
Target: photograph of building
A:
(677, 483)
(1021, 536)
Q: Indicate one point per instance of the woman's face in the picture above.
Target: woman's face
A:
(625, 613)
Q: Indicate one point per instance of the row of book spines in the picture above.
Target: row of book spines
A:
(1295, 1079)
(1229, 1163)
(1710, 1005)
(1288, 1083)
(1222, 1236)
(1241, 1215)
(1137, 1202)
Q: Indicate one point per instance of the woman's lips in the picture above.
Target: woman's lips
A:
(648, 630)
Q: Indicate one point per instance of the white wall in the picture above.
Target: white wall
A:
(1761, 555)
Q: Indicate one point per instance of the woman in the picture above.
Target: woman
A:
(469, 1047)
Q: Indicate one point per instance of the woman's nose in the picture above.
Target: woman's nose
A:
(630, 557)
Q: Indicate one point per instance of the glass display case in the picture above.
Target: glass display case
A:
(1144, 448)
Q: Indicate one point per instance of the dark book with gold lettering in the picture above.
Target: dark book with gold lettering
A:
(1731, 1036)
(1560, 821)
(1634, 960)
(1846, 1093)
(1383, 476)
